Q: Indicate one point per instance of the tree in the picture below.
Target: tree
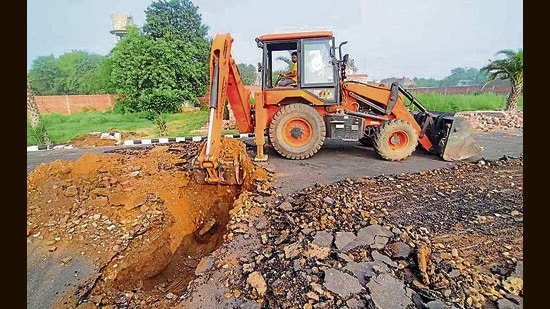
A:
(77, 72)
(45, 75)
(459, 75)
(425, 82)
(178, 19)
(142, 64)
(167, 64)
(98, 80)
(33, 113)
(351, 66)
(248, 73)
(76, 67)
(510, 68)
(157, 75)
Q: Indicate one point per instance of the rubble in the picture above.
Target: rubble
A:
(445, 238)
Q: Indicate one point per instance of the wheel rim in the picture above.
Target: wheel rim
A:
(297, 132)
(398, 140)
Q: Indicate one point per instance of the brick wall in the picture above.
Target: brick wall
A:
(69, 104)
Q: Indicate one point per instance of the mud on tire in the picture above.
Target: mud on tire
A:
(395, 140)
(297, 131)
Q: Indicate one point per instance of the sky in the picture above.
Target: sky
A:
(400, 38)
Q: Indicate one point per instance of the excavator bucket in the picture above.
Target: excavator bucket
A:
(226, 173)
(452, 136)
(227, 168)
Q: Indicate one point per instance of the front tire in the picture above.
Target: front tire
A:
(395, 140)
(297, 131)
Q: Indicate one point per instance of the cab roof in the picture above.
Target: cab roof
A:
(296, 35)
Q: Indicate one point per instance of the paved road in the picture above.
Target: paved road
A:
(347, 157)
(336, 160)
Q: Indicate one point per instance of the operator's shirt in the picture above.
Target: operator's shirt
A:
(294, 69)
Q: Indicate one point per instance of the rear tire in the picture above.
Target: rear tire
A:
(395, 140)
(297, 131)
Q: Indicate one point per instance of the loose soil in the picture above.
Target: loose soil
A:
(155, 234)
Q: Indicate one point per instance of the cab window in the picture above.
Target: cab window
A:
(317, 68)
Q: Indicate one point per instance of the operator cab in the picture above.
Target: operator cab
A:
(317, 64)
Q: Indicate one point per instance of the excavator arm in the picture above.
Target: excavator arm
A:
(215, 164)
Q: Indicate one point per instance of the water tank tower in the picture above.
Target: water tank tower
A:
(119, 23)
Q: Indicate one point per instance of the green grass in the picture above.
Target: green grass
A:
(63, 128)
(461, 102)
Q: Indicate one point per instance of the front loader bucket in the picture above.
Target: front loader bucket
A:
(460, 141)
(452, 137)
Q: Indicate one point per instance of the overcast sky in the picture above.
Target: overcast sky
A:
(424, 38)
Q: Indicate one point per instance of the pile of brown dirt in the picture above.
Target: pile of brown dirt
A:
(91, 140)
(136, 213)
(97, 139)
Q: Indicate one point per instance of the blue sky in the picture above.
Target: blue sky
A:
(425, 38)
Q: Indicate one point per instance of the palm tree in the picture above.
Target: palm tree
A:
(511, 69)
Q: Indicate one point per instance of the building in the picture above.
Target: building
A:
(363, 78)
(403, 81)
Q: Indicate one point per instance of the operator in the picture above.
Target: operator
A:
(292, 76)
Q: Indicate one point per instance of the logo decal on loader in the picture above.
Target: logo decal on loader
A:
(325, 94)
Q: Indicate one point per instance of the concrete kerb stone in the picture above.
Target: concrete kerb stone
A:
(48, 147)
(147, 141)
(181, 139)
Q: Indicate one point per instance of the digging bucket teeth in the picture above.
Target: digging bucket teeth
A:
(225, 170)
(226, 173)
(452, 136)
(230, 172)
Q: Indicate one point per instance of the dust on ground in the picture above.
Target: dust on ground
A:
(138, 214)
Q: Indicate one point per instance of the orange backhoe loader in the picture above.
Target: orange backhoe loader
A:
(321, 104)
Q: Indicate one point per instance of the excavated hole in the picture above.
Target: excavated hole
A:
(164, 260)
(207, 207)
